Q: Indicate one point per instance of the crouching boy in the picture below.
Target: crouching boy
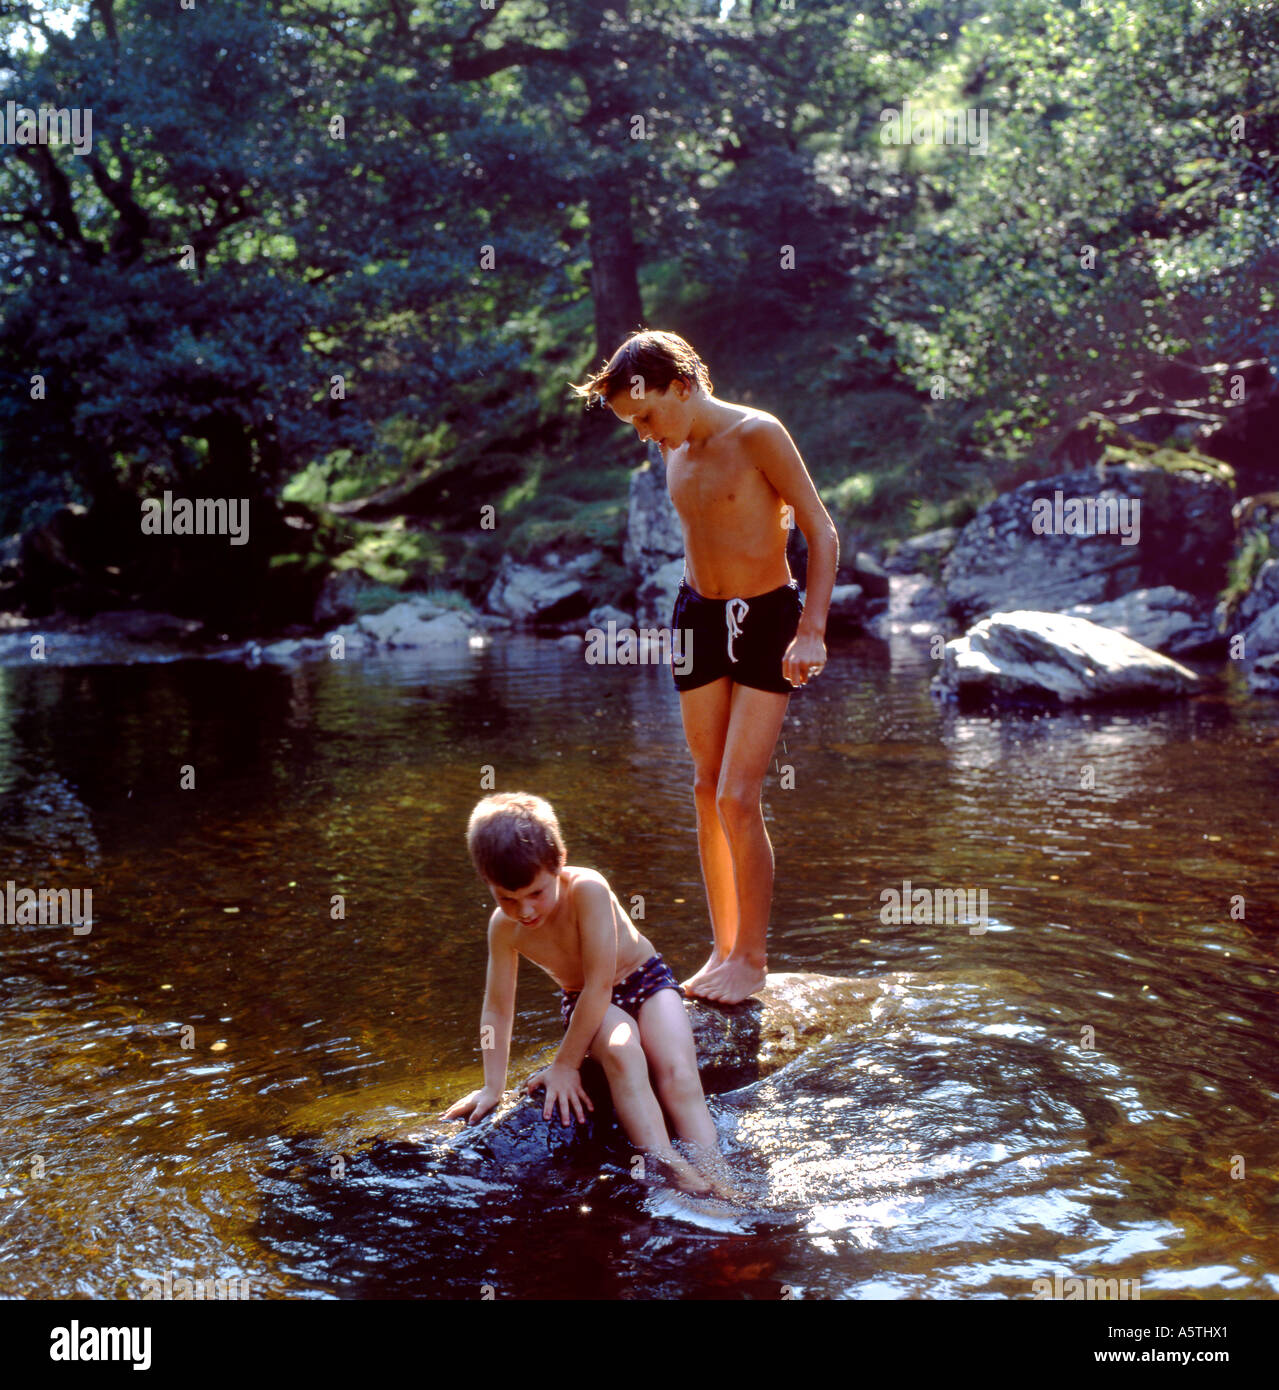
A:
(619, 1000)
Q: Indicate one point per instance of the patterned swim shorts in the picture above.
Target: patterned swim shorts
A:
(638, 986)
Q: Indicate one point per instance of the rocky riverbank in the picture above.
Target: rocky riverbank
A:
(1148, 544)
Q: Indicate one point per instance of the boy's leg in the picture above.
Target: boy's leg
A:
(618, 1049)
(755, 720)
(705, 714)
(672, 1062)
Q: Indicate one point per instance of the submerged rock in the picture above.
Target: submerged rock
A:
(1053, 658)
(739, 1043)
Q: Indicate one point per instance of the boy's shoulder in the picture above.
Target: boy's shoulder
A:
(582, 877)
(749, 420)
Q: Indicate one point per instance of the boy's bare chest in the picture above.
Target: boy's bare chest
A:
(560, 956)
(714, 485)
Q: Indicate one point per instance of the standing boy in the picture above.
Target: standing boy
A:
(738, 484)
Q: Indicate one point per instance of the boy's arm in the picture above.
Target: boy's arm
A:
(774, 453)
(495, 1023)
(499, 1003)
(599, 964)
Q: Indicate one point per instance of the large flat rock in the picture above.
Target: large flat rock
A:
(1052, 658)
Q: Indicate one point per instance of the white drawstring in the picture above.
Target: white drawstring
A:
(734, 621)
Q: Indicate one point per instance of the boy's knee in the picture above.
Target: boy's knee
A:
(736, 805)
(679, 1081)
(621, 1058)
(706, 786)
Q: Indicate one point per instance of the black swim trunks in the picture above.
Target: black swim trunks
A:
(639, 985)
(744, 639)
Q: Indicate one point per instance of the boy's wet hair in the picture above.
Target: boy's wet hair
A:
(658, 358)
(512, 836)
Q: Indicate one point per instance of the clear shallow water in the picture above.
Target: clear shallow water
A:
(960, 1144)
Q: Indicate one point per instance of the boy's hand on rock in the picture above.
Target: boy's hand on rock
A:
(474, 1107)
(563, 1087)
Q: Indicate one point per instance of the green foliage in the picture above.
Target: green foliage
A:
(827, 277)
(1140, 130)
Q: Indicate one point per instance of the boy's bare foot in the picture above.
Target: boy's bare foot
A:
(726, 1192)
(686, 1177)
(695, 979)
(716, 1171)
(729, 982)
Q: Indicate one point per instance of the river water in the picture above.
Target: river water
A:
(196, 1087)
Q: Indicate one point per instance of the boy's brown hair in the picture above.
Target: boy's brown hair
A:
(513, 835)
(658, 358)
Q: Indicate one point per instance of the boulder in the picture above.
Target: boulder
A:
(1181, 534)
(137, 625)
(865, 572)
(655, 596)
(409, 614)
(847, 610)
(1165, 619)
(57, 559)
(1257, 617)
(1260, 598)
(549, 592)
(1259, 513)
(1052, 658)
(601, 617)
(736, 1045)
(653, 533)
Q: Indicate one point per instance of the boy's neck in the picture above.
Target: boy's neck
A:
(709, 417)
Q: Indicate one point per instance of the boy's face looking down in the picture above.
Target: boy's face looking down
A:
(664, 416)
(532, 905)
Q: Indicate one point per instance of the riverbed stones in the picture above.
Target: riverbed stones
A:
(1053, 658)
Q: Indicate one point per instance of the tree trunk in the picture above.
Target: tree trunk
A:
(614, 277)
